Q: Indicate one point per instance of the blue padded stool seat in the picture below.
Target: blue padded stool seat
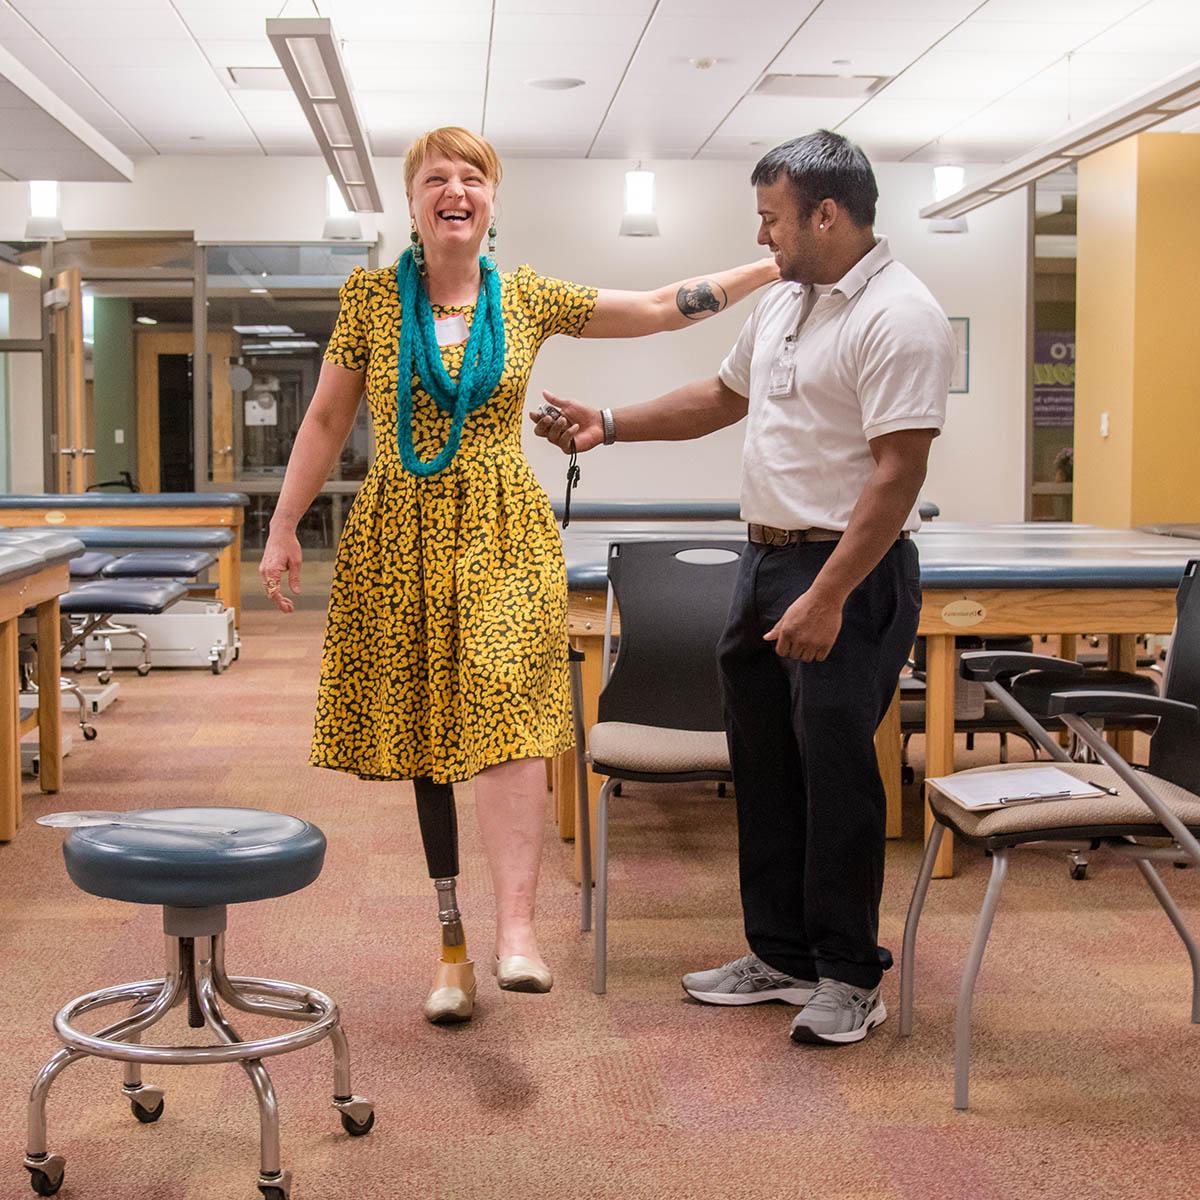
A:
(272, 854)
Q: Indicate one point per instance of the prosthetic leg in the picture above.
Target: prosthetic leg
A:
(452, 997)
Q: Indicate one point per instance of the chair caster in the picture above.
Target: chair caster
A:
(89, 732)
(358, 1115)
(907, 776)
(143, 670)
(277, 1187)
(46, 1174)
(1079, 870)
(104, 677)
(147, 1104)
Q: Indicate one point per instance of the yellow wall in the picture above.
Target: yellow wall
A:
(1104, 316)
(1139, 260)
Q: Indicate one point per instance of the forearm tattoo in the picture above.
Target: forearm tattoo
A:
(697, 298)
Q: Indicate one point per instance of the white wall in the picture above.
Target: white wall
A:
(562, 216)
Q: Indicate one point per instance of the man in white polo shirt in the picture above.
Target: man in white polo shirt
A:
(842, 371)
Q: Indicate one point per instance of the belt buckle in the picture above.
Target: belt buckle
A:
(780, 537)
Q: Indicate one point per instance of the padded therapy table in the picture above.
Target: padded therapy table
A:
(217, 511)
(33, 574)
(1007, 579)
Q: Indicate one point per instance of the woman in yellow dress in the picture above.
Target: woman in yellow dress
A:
(445, 652)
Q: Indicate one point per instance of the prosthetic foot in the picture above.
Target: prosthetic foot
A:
(452, 996)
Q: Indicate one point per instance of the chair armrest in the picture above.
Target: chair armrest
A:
(987, 665)
(1084, 703)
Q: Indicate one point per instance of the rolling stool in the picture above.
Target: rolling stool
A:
(194, 862)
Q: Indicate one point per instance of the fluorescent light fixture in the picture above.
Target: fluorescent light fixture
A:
(259, 292)
(308, 52)
(146, 320)
(263, 330)
(30, 269)
(340, 222)
(1161, 102)
(44, 224)
(639, 219)
(1124, 130)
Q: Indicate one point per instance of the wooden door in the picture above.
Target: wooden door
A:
(72, 421)
(150, 345)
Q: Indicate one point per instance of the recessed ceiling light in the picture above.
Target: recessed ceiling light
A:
(146, 321)
(703, 62)
(556, 83)
(30, 269)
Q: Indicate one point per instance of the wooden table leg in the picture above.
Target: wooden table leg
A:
(49, 697)
(10, 733)
(887, 751)
(593, 649)
(229, 579)
(939, 731)
(1068, 649)
(1122, 656)
(563, 786)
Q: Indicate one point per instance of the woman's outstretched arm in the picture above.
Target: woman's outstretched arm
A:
(678, 305)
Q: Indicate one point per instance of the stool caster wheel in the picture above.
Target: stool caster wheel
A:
(278, 1188)
(1079, 870)
(89, 732)
(46, 1176)
(147, 1105)
(358, 1115)
(908, 776)
(358, 1128)
(143, 670)
(105, 677)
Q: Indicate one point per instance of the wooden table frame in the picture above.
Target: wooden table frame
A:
(1120, 612)
(39, 589)
(230, 516)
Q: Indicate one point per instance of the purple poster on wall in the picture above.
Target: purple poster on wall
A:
(1053, 379)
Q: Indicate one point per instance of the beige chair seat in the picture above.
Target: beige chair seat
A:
(651, 750)
(1091, 812)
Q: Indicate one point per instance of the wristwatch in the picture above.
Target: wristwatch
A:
(610, 429)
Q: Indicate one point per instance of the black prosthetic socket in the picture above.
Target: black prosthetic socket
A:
(439, 827)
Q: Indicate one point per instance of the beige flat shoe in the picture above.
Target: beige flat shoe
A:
(452, 997)
(516, 973)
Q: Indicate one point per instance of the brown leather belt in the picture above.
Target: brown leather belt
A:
(768, 535)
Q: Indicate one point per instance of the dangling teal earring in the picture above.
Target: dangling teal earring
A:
(491, 254)
(418, 251)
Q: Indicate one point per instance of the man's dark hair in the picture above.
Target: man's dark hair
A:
(823, 166)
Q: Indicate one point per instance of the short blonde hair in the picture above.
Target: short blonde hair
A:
(452, 141)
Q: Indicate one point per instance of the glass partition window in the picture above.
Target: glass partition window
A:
(270, 311)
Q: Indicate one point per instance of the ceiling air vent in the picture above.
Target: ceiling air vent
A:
(821, 86)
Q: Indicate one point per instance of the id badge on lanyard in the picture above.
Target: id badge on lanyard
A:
(783, 370)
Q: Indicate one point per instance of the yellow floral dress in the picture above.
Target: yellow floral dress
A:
(446, 644)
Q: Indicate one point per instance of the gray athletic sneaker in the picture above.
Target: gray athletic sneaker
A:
(839, 1013)
(746, 980)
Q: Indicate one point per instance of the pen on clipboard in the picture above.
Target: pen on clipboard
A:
(1100, 787)
(1063, 795)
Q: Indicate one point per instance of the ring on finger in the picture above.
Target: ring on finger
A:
(272, 585)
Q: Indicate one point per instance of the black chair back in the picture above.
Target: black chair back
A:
(1174, 747)
(673, 610)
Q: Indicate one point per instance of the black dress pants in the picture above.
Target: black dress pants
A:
(810, 801)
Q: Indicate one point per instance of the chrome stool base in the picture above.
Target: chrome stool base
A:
(196, 977)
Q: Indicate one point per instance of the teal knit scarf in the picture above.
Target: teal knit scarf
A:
(419, 362)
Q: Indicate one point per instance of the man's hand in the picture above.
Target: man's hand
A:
(576, 423)
(807, 630)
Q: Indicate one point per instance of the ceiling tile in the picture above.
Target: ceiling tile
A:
(413, 66)
(782, 117)
(882, 47)
(104, 20)
(409, 20)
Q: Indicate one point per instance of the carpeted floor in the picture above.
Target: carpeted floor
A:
(1086, 1070)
